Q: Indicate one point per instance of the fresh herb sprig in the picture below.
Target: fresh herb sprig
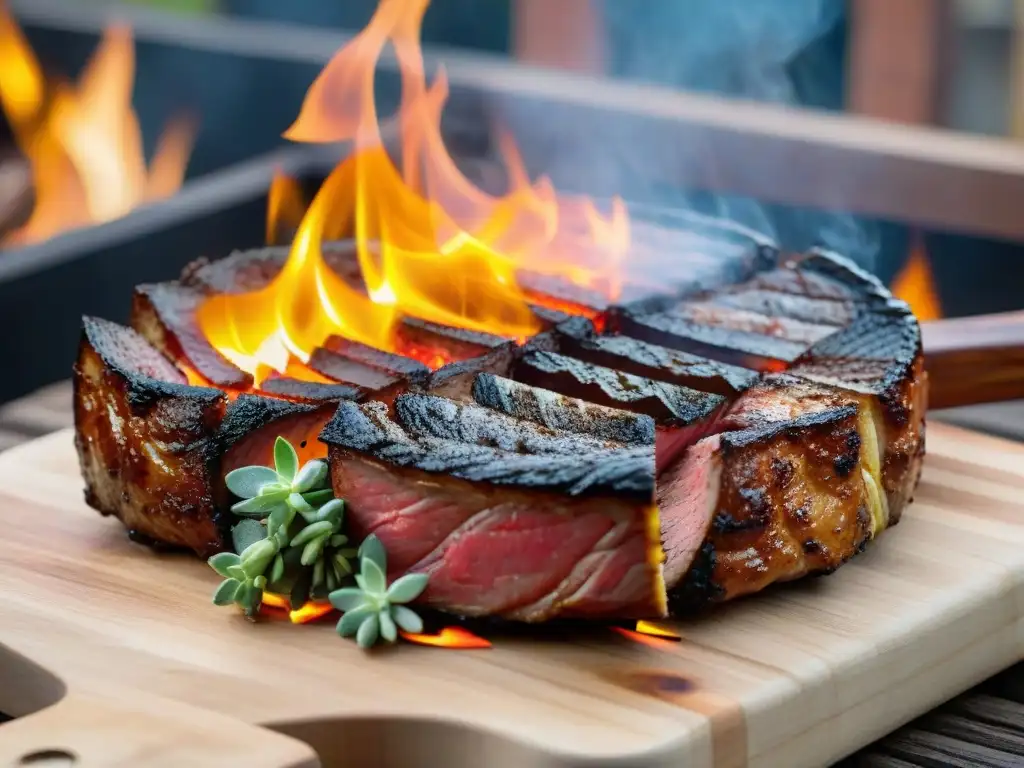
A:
(373, 610)
(290, 540)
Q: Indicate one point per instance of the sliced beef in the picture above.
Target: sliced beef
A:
(524, 536)
(823, 275)
(165, 314)
(437, 345)
(829, 312)
(743, 510)
(878, 359)
(561, 413)
(456, 380)
(146, 440)
(683, 415)
(359, 360)
(305, 391)
(678, 330)
(580, 340)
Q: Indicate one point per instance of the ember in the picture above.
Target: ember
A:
(449, 637)
(307, 613)
(430, 244)
(83, 141)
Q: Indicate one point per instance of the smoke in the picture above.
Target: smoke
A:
(781, 51)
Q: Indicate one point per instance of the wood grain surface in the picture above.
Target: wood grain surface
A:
(800, 676)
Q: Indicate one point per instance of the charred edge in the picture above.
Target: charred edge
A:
(148, 374)
(411, 370)
(557, 293)
(875, 355)
(846, 462)
(758, 513)
(252, 270)
(667, 403)
(166, 314)
(350, 372)
(562, 413)
(549, 317)
(639, 358)
(367, 430)
(430, 416)
(251, 412)
(419, 338)
(455, 380)
(845, 272)
(792, 306)
(746, 350)
(733, 441)
(308, 391)
(697, 591)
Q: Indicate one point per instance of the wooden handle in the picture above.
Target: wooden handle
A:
(87, 732)
(973, 360)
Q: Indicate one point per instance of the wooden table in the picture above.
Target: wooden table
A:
(984, 727)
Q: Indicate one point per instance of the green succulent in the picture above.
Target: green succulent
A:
(372, 610)
(293, 511)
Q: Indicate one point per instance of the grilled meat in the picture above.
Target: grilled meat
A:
(879, 360)
(438, 345)
(146, 440)
(743, 510)
(305, 391)
(525, 536)
(558, 412)
(361, 360)
(165, 314)
(683, 415)
(578, 338)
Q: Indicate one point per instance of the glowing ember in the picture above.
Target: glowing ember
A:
(654, 640)
(647, 628)
(915, 284)
(449, 637)
(83, 141)
(430, 244)
(307, 613)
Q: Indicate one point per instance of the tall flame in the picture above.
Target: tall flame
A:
(83, 141)
(430, 244)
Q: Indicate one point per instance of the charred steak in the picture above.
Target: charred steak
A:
(760, 423)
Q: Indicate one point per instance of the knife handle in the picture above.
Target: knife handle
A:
(972, 360)
(94, 732)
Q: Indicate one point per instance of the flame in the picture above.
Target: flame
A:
(307, 613)
(83, 141)
(285, 205)
(449, 637)
(649, 634)
(429, 243)
(915, 284)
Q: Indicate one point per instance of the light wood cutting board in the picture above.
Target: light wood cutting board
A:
(157, 675)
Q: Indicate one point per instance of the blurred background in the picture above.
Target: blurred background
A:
(214, 83)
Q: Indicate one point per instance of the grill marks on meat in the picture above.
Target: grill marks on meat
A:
(558, 412)
(146, 440)
(437, 345)
(651, 361)
(531, 534)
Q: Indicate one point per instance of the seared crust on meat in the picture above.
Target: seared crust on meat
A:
(146, 440)
(879, 359)
(792, 499)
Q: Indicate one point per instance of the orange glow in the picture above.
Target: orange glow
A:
(449, 637)
(915, 284)
(654, 630)
(430, 244)
(83, 141)
(307, 613)
(644, 638)
(285, 205)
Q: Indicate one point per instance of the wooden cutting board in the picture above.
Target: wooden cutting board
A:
(157, 675)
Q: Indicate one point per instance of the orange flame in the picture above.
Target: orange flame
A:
(430, 244)
(649, 634)
(307, 613)
(449, 637)
(83, 141)
(285, 206)
(915, 284)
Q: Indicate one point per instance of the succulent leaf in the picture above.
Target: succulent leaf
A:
(286, 460)
(222, 561)
(407, 619)
(368, 631)
(311, 476)
(246, 482)
(407, 588)
(247, 532)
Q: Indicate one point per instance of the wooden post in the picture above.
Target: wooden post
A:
(567, 34)
(897, 53)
